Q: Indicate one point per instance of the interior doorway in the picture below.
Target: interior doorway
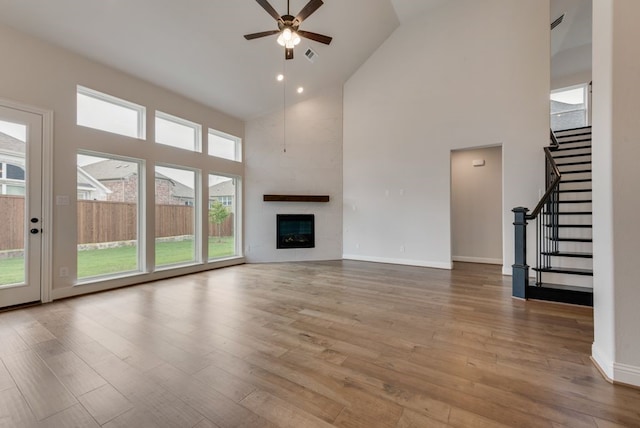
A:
(476, 205)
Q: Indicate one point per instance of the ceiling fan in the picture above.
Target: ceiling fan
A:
(288, 27)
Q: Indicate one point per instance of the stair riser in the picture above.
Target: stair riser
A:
(574, 186)
(566, 262)
(575, 247)
(573, 196)
(576, 219)
(577, 280)
(572, 157)
(583, 206)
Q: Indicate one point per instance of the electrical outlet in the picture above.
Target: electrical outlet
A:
(64, 272)
(402, 248)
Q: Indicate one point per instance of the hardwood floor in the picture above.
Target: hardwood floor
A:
(314, 344)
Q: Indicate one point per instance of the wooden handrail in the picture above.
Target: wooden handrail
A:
(554, 140)
(550, 188)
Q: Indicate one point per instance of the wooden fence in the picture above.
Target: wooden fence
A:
(100, 221)
(11, 222)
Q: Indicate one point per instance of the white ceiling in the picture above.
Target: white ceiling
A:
(196, 48)
(576, 28)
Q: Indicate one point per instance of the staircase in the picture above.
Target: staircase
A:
(564, 260)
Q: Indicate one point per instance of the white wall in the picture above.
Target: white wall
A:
(616, 200)
(311, 165)
(476, 206)
(36, 73)
(466, 71)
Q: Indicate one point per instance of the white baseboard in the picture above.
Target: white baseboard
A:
(604, 364)
(626, 374)
(615, 372)
(508, 271)
(482, 260)
(406, 262)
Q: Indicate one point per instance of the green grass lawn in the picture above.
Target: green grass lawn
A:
(11, 270)
(123, 259)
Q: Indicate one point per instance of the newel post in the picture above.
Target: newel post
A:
(520, 268)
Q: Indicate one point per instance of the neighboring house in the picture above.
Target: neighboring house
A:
(119, 179)
(91, 189)
(224, 192)
(11, 165)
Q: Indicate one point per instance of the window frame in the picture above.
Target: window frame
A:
(141, 246)
(197, 218)
(236, 140)
(119, 102)
(197, 144)
(585, 92)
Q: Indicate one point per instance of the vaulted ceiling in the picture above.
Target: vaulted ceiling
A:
(196, 48)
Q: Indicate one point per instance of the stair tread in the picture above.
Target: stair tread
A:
(575, 226)
(568, 271)
(577, 171)
(575, 201)
(565, 287)
(578, 255)
(571, 239)
(577, 180)
(574, 163)
(573, 295)
(575, 155)
(574, 190)
(578, 139)
(570, 213)
(566, 149)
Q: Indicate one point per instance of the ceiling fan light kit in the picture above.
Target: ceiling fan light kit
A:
(289, 33)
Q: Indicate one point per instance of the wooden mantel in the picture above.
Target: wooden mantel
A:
(296, 198)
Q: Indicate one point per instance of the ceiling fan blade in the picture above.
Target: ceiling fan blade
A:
(288, 53)
(315, 36)
(270, 10)
(262, 34)
(311, 7)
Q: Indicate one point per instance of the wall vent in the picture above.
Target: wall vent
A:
(557, 22)
(311, 55)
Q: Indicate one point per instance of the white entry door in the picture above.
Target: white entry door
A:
(21, 227)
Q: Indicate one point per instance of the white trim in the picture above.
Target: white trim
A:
(603, 363)
(477, 260)
(119, 102)
(406, 262)
(46, 272)
(626, 374)
(135, 279)
(237, 141)
(47, 193)
(197, 143)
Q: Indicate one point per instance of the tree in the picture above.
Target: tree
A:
(217, 214)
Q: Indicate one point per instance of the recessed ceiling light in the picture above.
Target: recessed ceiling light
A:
(280, 77)
(300, 90)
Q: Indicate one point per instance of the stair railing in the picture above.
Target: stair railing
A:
(546, 214)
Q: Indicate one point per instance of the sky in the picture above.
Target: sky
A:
(16, 130)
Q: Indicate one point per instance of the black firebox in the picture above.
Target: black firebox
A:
(295, 231)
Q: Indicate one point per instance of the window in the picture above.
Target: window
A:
(107, 113)
(569, 107)
(177, 132)
(224, 200)
(224, 145)
(176, 208)
(11, 179)
(108, 212)
(222, 216)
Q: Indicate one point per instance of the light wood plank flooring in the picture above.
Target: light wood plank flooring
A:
(314, 344)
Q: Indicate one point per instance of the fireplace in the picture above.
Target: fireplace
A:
(295, 231)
